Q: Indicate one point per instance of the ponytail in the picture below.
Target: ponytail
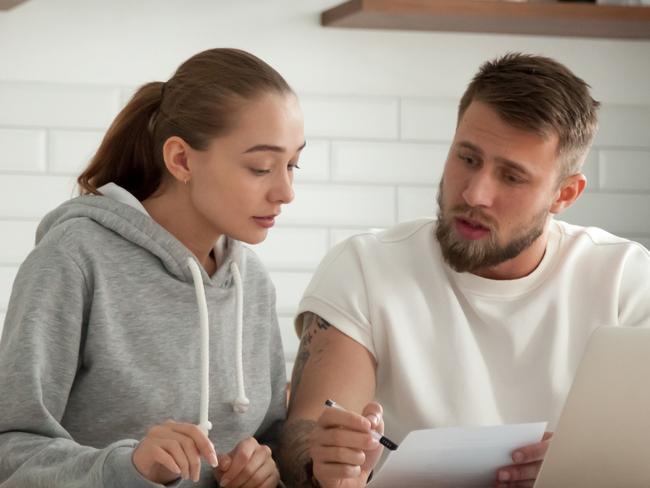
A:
(126, 154)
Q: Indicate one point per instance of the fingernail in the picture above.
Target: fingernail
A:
(374, 420)
(212, 459)
(518, 456)
(224, 481)
(504, 476)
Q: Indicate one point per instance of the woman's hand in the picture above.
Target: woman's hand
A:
(248, 465)
(173, 450)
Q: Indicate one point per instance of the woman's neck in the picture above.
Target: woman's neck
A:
(173, 210)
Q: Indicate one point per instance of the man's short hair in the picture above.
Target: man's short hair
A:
(538, 94)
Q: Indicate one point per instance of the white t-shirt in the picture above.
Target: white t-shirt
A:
(457, 349)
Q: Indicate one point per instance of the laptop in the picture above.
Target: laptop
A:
(602, 438)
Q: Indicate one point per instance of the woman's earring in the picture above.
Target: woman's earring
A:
(186, 181)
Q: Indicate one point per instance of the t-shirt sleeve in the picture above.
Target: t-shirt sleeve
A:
(634, 298)
(338, 294)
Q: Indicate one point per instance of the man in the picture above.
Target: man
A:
(479, 317)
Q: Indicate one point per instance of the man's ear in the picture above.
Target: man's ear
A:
(568, 192)
(175, 154)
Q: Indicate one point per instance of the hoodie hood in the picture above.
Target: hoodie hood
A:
(139, 228)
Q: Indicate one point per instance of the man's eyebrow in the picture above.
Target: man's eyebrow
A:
(514, 165)
(504, 161)
(471, 146)
(270, 147)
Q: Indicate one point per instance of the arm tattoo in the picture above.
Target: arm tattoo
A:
(294, 453)
(294, 441)
(309, 331)
(322, 323)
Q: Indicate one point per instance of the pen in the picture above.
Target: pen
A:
(383, 440)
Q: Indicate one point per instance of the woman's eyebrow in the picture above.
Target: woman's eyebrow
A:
(270, 147)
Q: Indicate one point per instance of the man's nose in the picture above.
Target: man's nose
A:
(480, 189)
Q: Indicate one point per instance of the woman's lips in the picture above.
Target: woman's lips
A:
(469, 229)
(266, 222)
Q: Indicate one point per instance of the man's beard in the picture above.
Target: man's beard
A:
(470, 255)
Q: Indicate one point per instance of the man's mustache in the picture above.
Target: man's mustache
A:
(475, 215)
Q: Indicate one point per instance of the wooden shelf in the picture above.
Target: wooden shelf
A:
(7, 4)
(494, 16)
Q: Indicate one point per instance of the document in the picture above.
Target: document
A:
(454, 457)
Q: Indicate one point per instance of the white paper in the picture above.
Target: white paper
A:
(454, 457)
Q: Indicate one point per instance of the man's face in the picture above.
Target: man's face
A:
(496, 191)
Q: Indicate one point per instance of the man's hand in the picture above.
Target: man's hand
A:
(248, 465)
(527, 463)
(343, 451)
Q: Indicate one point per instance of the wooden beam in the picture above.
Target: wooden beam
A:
(7, 4)
(494, 16)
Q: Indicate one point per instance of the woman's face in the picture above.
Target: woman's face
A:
(240, 182)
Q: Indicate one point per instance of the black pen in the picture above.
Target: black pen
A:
(383, 440)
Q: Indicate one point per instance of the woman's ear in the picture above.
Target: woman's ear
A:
(175, 153)
(568, 192)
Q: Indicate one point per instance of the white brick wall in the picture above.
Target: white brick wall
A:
(429, 120)
(293, 248)
(315, 161)
(414, 202)
(57, 106)
(24, 150)
(70, 151)
(620, 213)
(624, 126)
(392, 163)
(17, 241)
(616, 167)
(7, 275)
(290, 340)
(369, 162)
(289, 286)
(350, 117)
(336, 204)
(380, 109)
(30, 197)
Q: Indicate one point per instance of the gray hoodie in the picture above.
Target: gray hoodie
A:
(102, 341)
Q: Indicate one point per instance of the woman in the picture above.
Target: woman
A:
(140, 287)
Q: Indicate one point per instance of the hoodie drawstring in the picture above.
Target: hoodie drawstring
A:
(241, 403)
(204, 423)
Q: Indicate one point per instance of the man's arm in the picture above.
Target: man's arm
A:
(329, 364)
